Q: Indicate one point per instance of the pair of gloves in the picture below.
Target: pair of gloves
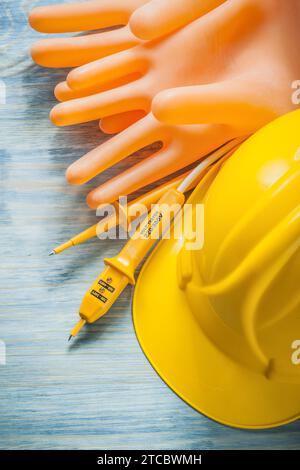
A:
(191, 74)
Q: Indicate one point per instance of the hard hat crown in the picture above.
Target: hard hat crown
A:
(249, 268)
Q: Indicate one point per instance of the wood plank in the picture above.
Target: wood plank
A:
(100, 392)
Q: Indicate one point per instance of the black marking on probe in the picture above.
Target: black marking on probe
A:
(106, 286)
(99, 296)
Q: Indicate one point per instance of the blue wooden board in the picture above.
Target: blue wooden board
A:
(100, 392)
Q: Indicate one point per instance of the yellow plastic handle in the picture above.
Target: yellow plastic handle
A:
(147, 235)
(102, 294)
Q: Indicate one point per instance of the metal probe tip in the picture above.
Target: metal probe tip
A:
(77, 328)
(52, 253)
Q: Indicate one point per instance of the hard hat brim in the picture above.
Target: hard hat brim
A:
(190, 364)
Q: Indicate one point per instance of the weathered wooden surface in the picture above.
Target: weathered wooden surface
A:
(100, 392)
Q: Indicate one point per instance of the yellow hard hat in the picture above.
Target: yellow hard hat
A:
(220, 323)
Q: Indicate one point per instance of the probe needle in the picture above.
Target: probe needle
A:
(77, 328)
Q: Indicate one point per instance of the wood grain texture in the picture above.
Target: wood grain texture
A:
(100, 392)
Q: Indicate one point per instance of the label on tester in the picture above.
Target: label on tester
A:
(99, 296)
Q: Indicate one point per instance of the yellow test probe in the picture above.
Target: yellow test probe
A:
(145, 201)
(119, 271)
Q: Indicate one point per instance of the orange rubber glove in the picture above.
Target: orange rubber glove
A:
(110, 124)
(257, 83)
(84, 16)
(263, 35)
(168, 15)
(75, 51)
(261, 38)
(255, 22)
(181, 146)
(158, 18)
